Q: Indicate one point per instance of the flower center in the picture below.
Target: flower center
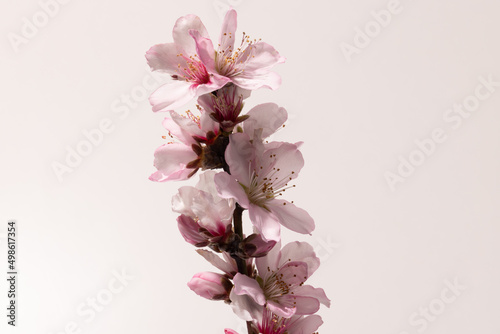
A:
(265, 188)
(273, 324)
(229, 62)
(194, 71)
(275, 286)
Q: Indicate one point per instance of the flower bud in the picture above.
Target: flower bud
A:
(190, 231)
(211, 285)
(255, 246)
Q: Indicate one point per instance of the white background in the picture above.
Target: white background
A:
(386, 252)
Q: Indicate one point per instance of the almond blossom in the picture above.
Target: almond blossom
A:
(205, 217)
(260, 173)
(225, 106)
(198, 68)
(179, 160)
(280, 284)
(272, 324)
(180, 59)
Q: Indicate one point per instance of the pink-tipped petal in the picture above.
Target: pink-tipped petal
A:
(292, 217)
(189, 231)
(204, 49)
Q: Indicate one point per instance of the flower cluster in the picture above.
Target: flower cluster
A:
(263, 282)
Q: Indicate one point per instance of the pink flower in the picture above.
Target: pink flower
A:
(211, 285)
(248, 65)
(205, 217)
(180, 59)
(260, 173)
(180, 160)
(198, 68)
(280, 284)
(225, 105)
(272, 324)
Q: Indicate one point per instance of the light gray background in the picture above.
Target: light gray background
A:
(386, 253)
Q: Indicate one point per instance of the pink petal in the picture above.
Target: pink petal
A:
(267, 116)
(309, 324)
(292, 217)
(300, 251)
(254, 81)
(226, 39)
(293, 273)
(265, 222)
(244, 285)
(284, 308)
(188, 126)
(305, 305)
(171, 160)
(172, 95)
(229, 331)
(204, 49)
(245, 307)
(270, 261)
(264, 57)
(228, 188)
(238, 155)
(163, 57)
(181, 33)
(189, 231)
(207, 123)
(177, 131)
(309, 291)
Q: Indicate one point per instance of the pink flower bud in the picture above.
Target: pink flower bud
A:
(190, 231)
(255, 246)
(211, 285)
